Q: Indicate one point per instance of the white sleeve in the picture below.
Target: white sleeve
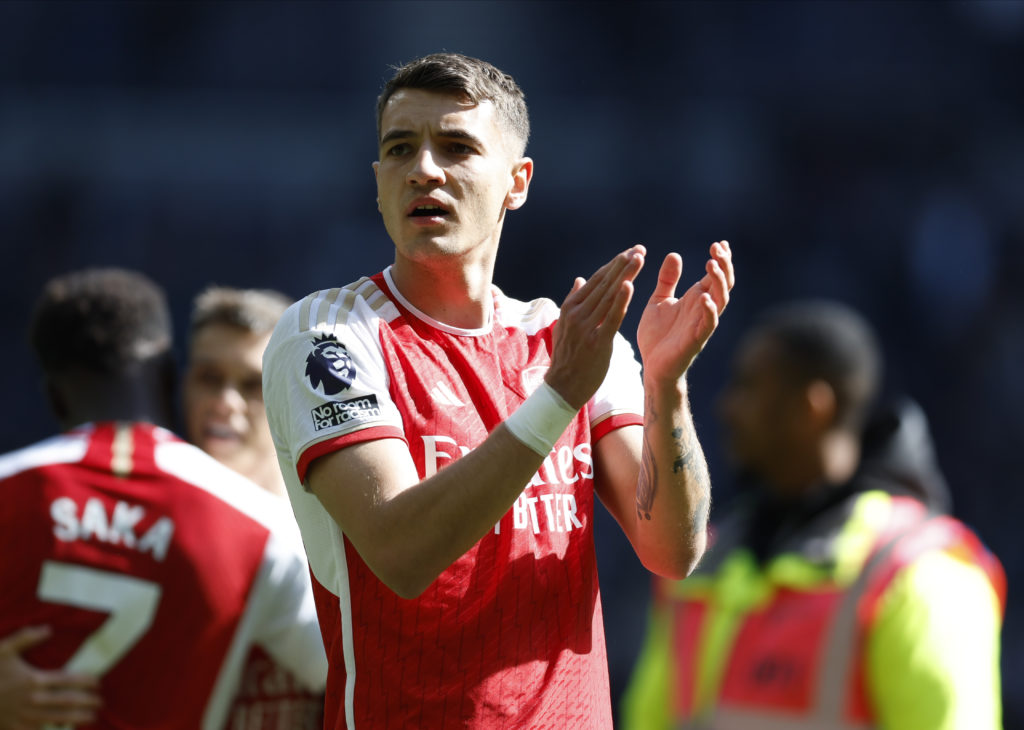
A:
(279, 616)
(284, 615)
(622, 391)
(326, 382)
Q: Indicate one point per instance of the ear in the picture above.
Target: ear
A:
(522, 173)
(821, 403)
(376, 177)
(377, 166)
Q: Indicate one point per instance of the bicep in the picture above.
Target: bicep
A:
(355, 483)
(616, 467)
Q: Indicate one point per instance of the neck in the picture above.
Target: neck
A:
(832, 463)
(87, 398)
(451, 292)
(269, 477)
(841, 457)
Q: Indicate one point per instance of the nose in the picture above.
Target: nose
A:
(229, 399)
(425, 169)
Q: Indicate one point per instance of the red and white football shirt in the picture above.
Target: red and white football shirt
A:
(510, 635)
(158, 569)
(270, 697)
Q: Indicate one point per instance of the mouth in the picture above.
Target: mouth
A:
(427, 209)
(221, 433)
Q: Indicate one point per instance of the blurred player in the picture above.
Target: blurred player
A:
(224, 415)
(223, 386)
(157, 567)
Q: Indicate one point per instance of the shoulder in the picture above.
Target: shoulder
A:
(225, 487)
(937, 554)
(531, 316)
(938, 579)
(327, 320)
(932, 650)
(362, 299)
(62, 449)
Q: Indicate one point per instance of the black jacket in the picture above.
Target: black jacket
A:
(897, 457)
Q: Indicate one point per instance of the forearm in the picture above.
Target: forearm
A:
(410, 530)
(673, 490)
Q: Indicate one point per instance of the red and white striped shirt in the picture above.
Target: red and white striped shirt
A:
(158, 569)
(511, 634)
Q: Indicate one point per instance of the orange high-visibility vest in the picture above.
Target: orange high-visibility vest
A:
(782, 646)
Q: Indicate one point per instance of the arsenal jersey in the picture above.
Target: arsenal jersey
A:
(158, 568)
(511, 634)
(270, 697)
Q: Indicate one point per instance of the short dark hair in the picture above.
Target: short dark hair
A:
(470, 77)
(102, 320)
(827, 340)
(252, 310)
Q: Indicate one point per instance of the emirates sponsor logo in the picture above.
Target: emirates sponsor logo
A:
(547, 503)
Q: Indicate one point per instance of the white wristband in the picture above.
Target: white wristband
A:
(541, 419)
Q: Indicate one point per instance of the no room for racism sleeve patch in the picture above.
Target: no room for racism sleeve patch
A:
(335, 413)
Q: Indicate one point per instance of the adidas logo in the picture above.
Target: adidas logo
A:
(444, 395)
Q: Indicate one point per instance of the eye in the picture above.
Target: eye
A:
(458, 148)
(398, 150)
(207, 378)
(252, 389)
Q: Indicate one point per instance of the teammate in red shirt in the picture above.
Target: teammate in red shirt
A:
(442, 443)
(225, 417)
(157, 567)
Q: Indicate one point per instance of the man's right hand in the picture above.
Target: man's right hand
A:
(32, 698)
(590, 316)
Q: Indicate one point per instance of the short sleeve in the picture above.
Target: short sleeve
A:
(287, 624)
(326, 386)
(619, 401)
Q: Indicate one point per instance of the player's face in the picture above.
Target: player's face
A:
(760, 410)
(446, 175)
(223, 396)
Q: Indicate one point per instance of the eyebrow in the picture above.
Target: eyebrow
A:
(444, 133)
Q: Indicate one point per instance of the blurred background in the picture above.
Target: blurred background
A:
(868, 151)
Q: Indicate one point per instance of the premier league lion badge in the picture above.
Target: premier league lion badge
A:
(329, 366)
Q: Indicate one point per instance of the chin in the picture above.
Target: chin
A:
(221, 451)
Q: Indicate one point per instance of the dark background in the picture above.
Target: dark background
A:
(868, 151)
